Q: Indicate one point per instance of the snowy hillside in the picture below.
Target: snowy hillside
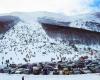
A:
(30, 42)
(88, 21)
(27, 41)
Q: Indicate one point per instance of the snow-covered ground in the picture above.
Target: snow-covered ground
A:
(50, 77)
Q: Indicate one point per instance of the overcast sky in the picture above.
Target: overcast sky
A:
(68, 7)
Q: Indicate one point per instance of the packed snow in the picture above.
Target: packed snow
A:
(50, 77)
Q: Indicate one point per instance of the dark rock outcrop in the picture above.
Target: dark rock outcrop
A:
(6, 22)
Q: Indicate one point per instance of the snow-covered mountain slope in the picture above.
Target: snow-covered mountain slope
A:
(27, 41)
(74, 35)
(89, 22)
(79, 29)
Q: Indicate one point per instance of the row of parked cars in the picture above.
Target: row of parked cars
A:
(54, 68)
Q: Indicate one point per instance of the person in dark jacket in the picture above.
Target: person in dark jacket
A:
(23, 78)
(45, 71)
(56, 72)
(60, 67)
(9, 71)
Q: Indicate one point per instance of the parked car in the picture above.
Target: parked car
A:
(76, 71)
(6, 70)
(13, 65)
(97, 69)
(85, 71)
(66, 71)
(45, 71)
(26, 71)
(1, 71)
(36, 70)
(56, 71)
(19, 71)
